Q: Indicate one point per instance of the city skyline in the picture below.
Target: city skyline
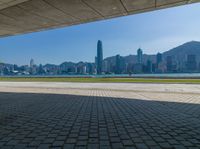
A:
(99, 50)
(155, 31)
(184, 58)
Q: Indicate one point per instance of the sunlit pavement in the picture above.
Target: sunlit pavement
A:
(94, 116)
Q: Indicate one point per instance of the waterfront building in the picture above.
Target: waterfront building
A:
(139, 56)
(106, 67)
(169, 64)
(117, 64)
(149, 66)
(161, 68)
(31, 63)
(158, 58)
(33, 70)
(138, 68)
(89, 67)
(84, 70)
(191, 62)
(99, 58)
(95, 61)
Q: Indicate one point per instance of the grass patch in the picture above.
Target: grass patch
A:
(99, 80)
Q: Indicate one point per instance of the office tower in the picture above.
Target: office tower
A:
(149, 66)
(139, 56)
(158, 58)
(89, 68)
(32, 67)
(84, 69)
(118, 64)
(41, 70)
(99, 57)
(191, 62)
(106, 66)
(137, 68)
(31, 63)
(169, 64)
(95, 60)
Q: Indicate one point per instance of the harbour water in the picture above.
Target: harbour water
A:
(163, 75)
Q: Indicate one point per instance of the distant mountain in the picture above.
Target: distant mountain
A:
(132, 58)
(179, 53)
(67, 64)
(50, 65)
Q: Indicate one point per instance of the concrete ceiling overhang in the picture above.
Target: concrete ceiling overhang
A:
(23, 16)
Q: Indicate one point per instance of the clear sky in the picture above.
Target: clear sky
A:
(155, 31)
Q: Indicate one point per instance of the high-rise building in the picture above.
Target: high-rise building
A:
(90, 68)
(84, 71)
(149, 66)
(169, 64)
(95, 60)
(139, 56)
(31, 63)
(106, 66)
(137, 68)
(99, 57)
(158, 58)
(191, 62)
(118, 64)
(32, 67)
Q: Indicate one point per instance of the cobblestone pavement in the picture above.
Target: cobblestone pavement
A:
(100, 119)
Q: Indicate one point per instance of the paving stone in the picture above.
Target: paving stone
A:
(141, 146)
(35, 143)
(96, 121)
(104, 143)
(117, 145)
(71, 141)
(49, 140)
(12, 142)
(92, 146)
(81, 143)
(115, 139)
(44, 146)
(68, 146)
(165, 145)
(127, 142)
(20, 146)
(58, 143)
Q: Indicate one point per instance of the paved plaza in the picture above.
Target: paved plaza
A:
(105, 116)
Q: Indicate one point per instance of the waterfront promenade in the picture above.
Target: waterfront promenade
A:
(99, 115)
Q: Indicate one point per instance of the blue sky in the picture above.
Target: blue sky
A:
(155, 31)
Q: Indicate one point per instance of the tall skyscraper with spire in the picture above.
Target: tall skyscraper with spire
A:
(139, 56)
(99, 57)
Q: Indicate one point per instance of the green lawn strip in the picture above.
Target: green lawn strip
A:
(99, 80)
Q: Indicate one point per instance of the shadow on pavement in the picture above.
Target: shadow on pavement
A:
(29, 120)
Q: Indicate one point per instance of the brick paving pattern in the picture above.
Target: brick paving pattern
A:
(102, 119)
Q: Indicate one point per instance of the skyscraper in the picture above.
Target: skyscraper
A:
(118, 64)
(191, 62)
(99, 57)
(32, 67)
(31, 63)
(149, 66)
(139, 56)
(158, 58)
(169, 64)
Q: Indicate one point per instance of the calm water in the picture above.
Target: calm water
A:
(168, 75)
